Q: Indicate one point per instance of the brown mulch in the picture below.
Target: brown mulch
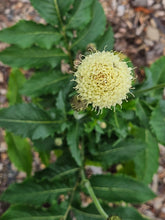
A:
(139, 27)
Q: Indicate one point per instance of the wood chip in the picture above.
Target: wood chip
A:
(1, 78)
(152, 33)
(3, 147)
(143, 3)
(140, 29)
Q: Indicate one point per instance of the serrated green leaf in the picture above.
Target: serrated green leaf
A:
(125, 150)
(37, 193)
(44, 145)
(106, 42)
(52, 10)
(60, 103)
(64, 6)
(155, 75)
(119, 124)
(44, 83)
(19, 151)
(27, 120)
(26, 33)
(47, 9)
(116, 188)
(157, 121)
(73, 142)
(31, 57)
(126, 213)
(84, 215)
(42, 191)
(147, 161)
(16, 81)
(20, 212)
(82, 15)
(94, 29)
(51, 173)
(157, 71)
(64, 165)
(141, 113)
(91, 213)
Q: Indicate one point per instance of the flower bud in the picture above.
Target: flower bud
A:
(78, 104)
(58, 142)
(103, 125)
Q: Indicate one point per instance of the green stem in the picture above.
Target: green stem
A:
(151, 88)
(72, 195)
(116, 120)
(66, 213)
(58, 12)
(63, 32)
(93, 196)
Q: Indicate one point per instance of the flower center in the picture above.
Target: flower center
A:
(100, 78)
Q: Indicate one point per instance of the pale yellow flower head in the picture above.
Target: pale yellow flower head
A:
(103, 79)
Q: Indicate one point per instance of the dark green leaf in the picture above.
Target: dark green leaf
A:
(45, 145)
(106, 42)
(20, 212)
(157, 71)
(73, 142)
(44, 83)
(47, 9)
(26, 33)
(84, 215)
(82, 15)
(64, 165)
(91, 213)
(52, 10)
(94, 29)
(27, 120)
(141, 113)
(60, 103)
(119, 124)
(15, 83)
(155, 75)
(115, 188)
(31, 57)
(146, 162)
(158, 121)
(37, 193)
(19, 151)
(126, 213)
(64, 6)
(123, 151)
(137, 132)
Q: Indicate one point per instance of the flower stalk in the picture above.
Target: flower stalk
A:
(93, 196)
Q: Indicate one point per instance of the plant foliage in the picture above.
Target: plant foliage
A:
(40, 117)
